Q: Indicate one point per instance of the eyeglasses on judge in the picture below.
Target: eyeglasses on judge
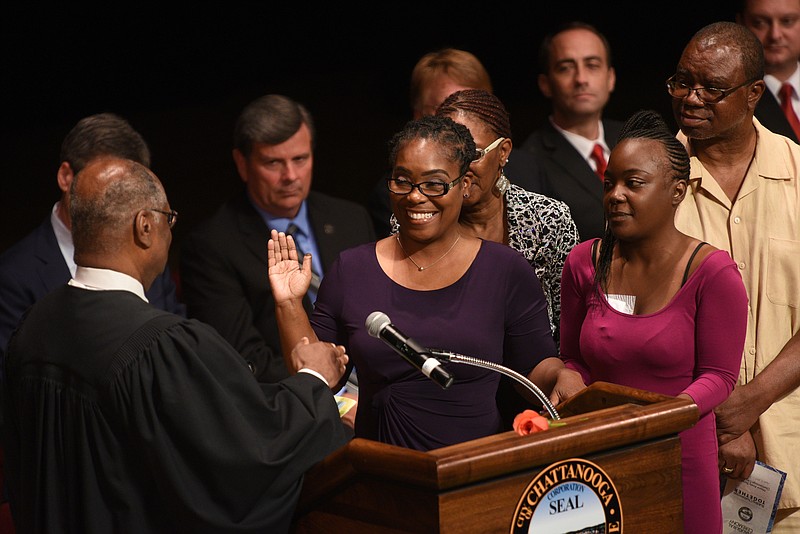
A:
(401, 186)
(172, 216)
(707, 95)
(480, 153)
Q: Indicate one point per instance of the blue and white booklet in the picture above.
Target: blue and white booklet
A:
(749, 506)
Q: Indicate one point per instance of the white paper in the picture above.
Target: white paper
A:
(749, 506)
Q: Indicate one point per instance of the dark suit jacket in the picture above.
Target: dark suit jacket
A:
(522, 169)
(568, 176)
(224, 279)
(34, 266)
(770, 115)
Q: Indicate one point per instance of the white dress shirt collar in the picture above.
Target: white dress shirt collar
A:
(64, 239)
(583, 145)
(106, 280)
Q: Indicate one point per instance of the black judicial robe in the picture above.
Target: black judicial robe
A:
(120, 417)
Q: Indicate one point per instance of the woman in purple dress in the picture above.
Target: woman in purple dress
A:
(652, 308)
(445, 288)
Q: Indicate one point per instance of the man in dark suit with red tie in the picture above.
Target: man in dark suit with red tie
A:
(574, 144)
(776, 23)
(223, 262)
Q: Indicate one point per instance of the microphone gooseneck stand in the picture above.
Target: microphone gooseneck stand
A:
(533, 388)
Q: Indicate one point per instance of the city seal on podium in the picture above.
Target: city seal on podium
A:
(572, 495)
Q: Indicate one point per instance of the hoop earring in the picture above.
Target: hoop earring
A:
(502, 182)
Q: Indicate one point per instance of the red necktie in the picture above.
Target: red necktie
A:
(786, 105)
(600, 160)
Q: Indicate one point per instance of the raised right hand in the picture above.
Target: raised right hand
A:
(287, 277)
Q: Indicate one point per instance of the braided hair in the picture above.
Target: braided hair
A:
(644, 124)
(453, 137)
(483, 105)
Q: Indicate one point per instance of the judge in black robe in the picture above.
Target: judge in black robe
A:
(123, 418)
(120, 417)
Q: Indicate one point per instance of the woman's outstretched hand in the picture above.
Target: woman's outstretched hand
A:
(288, 278)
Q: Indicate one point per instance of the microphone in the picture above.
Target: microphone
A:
(379, 325)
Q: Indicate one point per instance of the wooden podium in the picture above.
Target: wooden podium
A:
(476, 486)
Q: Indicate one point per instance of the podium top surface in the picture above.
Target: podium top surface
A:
(603, 416)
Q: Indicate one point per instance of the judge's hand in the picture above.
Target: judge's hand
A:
(739, 455)
(327, 359)
(287, 277)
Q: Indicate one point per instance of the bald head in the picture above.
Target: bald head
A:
(735, 39)
(113, 222)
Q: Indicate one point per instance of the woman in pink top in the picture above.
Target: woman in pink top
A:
(652, 308)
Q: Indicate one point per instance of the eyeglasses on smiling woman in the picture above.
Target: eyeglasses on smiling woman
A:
(401, 186)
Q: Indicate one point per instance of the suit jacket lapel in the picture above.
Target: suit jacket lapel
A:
(576, 170)
(770, 114)
(329, 243)
(252, 228)
(53, 271)
(611, 132)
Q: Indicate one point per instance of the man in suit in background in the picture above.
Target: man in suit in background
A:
(223, 261)
(436, 76)
(574, 145)
(776, 23)
(42, 260)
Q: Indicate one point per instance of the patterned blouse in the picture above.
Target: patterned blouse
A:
(542, 229)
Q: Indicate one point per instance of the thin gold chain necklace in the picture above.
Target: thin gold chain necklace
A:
(417, 265)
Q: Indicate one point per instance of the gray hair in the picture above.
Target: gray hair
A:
(100, 221)
(738, 37)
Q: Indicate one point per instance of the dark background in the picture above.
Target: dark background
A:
(181, 78)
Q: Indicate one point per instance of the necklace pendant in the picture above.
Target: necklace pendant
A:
(420, 268)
